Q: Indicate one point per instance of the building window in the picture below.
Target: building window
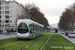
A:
(6, 3)
(6, 21)
(0, 16)
(12, 28)
(6, 12)
(7, 7)
(6, 16)
(2, 3)
(2, 8)
(0, 12)
(11, 21)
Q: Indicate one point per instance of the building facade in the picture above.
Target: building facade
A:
(9, 13)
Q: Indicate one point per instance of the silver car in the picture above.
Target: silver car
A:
(72, 34)
(62, 32)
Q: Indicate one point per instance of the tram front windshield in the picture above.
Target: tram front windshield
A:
(22, 28)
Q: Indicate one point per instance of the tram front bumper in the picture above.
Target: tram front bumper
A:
(23, 36)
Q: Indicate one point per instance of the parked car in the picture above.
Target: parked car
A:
(72, 34)
(62, 32)
(66, 33)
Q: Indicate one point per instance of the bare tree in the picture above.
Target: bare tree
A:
(38, 16)
(67, 20)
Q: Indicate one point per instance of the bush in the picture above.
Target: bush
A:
(11, 30)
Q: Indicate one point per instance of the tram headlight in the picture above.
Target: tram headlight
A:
(27, 33)
(17, 33)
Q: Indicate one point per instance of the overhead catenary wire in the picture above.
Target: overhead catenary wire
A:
(45, 7)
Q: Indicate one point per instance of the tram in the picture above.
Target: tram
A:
(28, 29)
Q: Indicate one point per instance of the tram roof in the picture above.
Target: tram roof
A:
(28, 22)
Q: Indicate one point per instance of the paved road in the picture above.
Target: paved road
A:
(71, 39)
(7, 36)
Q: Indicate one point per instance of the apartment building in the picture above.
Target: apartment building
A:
(9, 13)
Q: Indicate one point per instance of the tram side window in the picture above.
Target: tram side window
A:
(33, 27)
(42, 29)
(36, 28)
(30, 27)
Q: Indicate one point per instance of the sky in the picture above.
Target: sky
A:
(52, 9)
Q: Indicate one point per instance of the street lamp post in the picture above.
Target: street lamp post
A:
(33, 13)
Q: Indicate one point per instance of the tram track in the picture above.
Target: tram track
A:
(5, 41)
(32, 43)
(45, 42)
(35, 42)
(14, 45)
(28, 44)
(8, 42)
(23, 42)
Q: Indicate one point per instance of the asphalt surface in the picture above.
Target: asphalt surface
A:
(4, 36)
(72, 39)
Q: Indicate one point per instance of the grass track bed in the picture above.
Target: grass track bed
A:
(2, 47)
(19, 46)
(9, 40)
(58, 42)
(50, 32)
(38, 45)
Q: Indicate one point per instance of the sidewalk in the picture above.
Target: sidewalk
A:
(10, 35)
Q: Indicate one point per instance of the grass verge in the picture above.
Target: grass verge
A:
(58, 42)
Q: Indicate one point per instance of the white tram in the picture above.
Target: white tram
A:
(28, 29)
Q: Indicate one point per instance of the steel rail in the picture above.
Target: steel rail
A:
(14, 45)
(45, 43)
(32, 43)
